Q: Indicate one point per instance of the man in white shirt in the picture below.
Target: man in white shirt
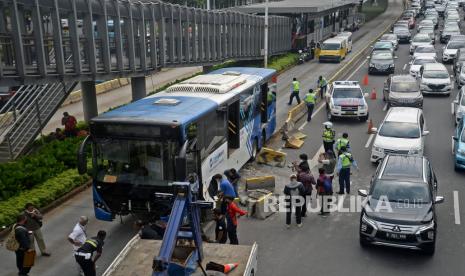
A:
(78, 236)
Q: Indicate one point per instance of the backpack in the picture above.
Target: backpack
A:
(11, 242)
(327, 185)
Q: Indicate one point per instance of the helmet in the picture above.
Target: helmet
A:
(328, 124)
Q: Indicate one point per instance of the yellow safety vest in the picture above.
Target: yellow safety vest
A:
(346, 160)
(328, 135)
(295, 86)
(342, 142)
(270, 97)
(310, 98)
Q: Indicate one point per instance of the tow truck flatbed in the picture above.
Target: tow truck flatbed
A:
(137, 257)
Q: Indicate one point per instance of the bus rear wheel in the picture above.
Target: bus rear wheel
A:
(255, 151)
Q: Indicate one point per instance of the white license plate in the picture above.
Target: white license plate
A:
(396, 236)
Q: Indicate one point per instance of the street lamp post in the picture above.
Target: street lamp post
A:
(265, 48)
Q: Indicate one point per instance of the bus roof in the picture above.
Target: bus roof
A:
(188, 100)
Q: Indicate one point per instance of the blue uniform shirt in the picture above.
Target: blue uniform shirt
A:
(227, 188)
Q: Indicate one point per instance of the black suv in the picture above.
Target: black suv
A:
(404, 187)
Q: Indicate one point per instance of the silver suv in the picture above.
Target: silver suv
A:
(402, 90)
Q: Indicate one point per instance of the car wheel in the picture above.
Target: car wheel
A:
(429, 250)
(363, 242)
(329, 116)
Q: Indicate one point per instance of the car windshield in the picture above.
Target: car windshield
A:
(425, 50)
(330, 46)
(381, 55)
(345, 93)
(421, 61)
(401, 192)
(400, 130)
(139, 162)
(451, 29)
(401, 30)
(456, 45)
(388, 37)
(383, 45)
(405, 86)
(426, 30)
(421, 38)
(436, 74)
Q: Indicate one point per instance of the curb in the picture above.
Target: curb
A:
(57, 202)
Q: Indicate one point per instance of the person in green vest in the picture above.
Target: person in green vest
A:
(270, 96)
(342, 142)
(322, 84)
(328, 136)
(295, 91)
(310, 99)
(344, 163)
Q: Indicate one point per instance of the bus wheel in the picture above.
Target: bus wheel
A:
(263, 138)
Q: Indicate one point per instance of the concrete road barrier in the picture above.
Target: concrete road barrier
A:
(256, 204)
(267, 182)
(271, 157)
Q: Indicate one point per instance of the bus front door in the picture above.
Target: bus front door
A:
(233, 126)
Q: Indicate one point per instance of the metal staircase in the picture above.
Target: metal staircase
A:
(26, 114)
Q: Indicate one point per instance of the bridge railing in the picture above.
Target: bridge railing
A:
(99, 39)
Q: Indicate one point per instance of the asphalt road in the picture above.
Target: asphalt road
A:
(329, 245)
(320, 241)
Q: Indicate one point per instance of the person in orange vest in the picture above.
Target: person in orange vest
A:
(232, 211)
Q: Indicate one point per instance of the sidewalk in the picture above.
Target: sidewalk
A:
(121, 95)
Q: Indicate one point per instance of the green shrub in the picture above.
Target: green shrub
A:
(280, 63)
(46, 162)
(41, 195)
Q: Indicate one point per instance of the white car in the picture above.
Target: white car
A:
(402, 132)
(420, 40)
(345, 99)
(429, 31)
(450, 50)
(458, 106)
(425, 51)
(435, 79)
(390, 37)
(460, 76)
(417, 63)
(426, 23)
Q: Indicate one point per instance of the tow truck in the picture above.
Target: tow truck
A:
(182, 251)
(345, 99)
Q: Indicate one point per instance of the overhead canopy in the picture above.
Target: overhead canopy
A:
(297, 6)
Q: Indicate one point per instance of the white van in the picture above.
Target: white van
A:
(348, 36)
(402, 132)
(435, 79)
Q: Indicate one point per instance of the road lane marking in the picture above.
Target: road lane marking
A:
(405, 66)
(369, 140)
(356, 70)
(385, 107)
(456, 207)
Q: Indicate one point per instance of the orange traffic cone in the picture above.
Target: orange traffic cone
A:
(370, 126)
(229, 267)
(373, 94)
(365, 80)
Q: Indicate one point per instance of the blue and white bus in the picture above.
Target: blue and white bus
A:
(206, 124)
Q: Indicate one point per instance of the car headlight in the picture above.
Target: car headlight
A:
(369, 221)
(338, 107)
(414, 151)
(377, 149)
(423, 86)
(391, 65)
(426, 227)
(372, 65)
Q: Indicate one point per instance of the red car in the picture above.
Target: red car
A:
(411, 21)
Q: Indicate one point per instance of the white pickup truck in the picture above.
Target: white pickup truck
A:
(136, 258)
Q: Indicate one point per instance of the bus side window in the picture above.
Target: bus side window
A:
(264, 89)
(234, 125)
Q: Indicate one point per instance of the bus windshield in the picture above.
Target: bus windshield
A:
(135, 161)
(330, 46)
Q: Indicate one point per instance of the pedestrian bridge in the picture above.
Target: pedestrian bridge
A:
(44, 41)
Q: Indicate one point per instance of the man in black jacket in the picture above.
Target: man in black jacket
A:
(293, 190)
(84, 255)
(23, 237)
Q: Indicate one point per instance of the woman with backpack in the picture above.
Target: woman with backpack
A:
(324, 186)
(293, 191)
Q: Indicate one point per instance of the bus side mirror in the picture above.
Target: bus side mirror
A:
(181, 168)
(82, 156)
